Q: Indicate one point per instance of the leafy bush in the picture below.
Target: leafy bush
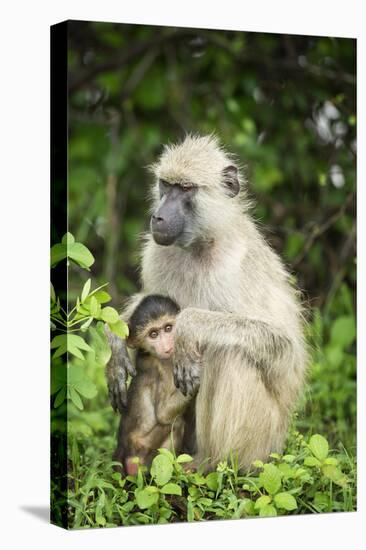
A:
(69, 380)
(308, 479)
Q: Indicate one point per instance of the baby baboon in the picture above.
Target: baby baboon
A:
(155, 407)
(238, 306)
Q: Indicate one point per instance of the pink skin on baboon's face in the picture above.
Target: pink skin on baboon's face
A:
(161, 341)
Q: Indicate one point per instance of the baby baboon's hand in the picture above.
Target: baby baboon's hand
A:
(186, 358)
(118, 368)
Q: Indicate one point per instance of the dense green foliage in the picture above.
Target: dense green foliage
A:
(71, 381)
(286, 106)
(308, 480)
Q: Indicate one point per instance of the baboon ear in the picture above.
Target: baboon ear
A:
(231, 181)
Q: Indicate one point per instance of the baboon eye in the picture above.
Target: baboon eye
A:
(168, 328)
(163, 187)
(186, 187)
(153, 334)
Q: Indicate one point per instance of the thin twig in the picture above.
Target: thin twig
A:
(319, 230)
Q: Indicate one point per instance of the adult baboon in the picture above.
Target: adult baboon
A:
(205, 252)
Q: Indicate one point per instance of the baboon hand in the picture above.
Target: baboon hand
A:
(187, 375)
(117, 371)
(186, 359)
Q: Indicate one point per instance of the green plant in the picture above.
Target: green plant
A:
(69, 381)
(307, 479)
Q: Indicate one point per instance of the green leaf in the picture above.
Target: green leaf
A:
(53, 294)
(75, 373)
(275, 455)
(145, 498)
(60, 351)
(60, 340)
(86, 388)
(312, 461)
(77, 381)
(301, 473)
(75, 398)
(120, 328)
(245, 508)
(171, 489)
(286, 501)
(68, 239)
(193, 492)
(184, 458)
(100, 520)
(270, 478)
(198, 479)
(58, 377)
(289, 458)
(60, 397)
(74, 350)
(94, 307)
(80, 254)
(262, 501)
(321, 501)
(286, 470)
(86, 290)
(319, 446)
(78, 342)
(161, 469)
(268, 511)
(69, 343)
(87, 324)
(83, 310)
(58, 253)
(167, 453)
(100, 344)
(110, 315)
(331, 461)
(334, 474)
(102, 296)
(211, 481)
(204, 501)
(343, 331)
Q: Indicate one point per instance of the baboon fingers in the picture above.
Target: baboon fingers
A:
(178, 376)
(189, 387)
(192, 385)
(112, 400)
(118, 395)
(186, 379)
(122, 397)
(195, 385)
(130, 367)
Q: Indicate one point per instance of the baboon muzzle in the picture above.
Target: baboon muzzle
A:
(167, 223)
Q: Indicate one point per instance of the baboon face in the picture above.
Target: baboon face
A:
(151, 326)
(174, 217)
(195, 182)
